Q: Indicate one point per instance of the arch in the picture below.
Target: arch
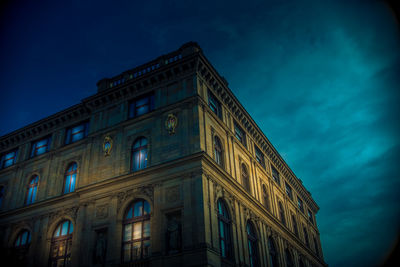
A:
(61, 244)
(289, 258)
(32, 189)
(273, 253)
(139, 154)
(265, 197)
(281, 213)
(225, 230)
(23, 239)
(136, 231)
(70, 178)
(252, 244)
(20, 247)
(245, 177)
(218, 151)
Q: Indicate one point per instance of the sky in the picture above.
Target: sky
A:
(320, 78)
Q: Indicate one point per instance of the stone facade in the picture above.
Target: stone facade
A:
(187, 174)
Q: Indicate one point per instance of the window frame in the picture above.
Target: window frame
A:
(31, 195)
(68, 139)
(225, 222)
(272, 252)
(260, 158)
(252, 244)
(245, 177)
(281, 211)
(310, 216)
(275, 175)
(4, 158)
(69, 175)
(300, 204)
(266, 200)
(288, 190)
(133, 108)
(35, 149)
(214, 104)
(218, 151)
(141, 150)
(63, 241)
(240, 134)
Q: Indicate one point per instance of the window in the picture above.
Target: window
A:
(218, 155)
(224, 226)
(245, 178)
(1, 194)
(139, 154)
(316, 246)
(76, 133)
(300, 204)
(70, 178)
(21, 248)
(61, 244)
(266, 198)
(289, 258)
(214, 104)
(8, 159)
(281, 213)
(32, 190)
(136, 232)
(252, 244)
(259, 156)
(275, 175)
(141, 105)
(289, 191)
(310, 216)
(40, 147)
(295, 229)
(174, 232)
(306, 237)
(240, 134)
(273, 254)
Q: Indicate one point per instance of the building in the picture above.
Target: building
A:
(161, 167)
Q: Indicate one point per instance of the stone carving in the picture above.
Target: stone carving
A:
(71, 212)
(107, 145)
(172, 194)
(147, 190)
(170, 123)
(102, 211)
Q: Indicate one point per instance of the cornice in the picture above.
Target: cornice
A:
(215, 81)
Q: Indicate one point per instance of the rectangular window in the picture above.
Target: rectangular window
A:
(76, 133)
(8, 159)
(300, 204)
(214, 104)
(240, 134)
(41, 146)
(289, 191)
(310, 216)
(259, 156)
(141, 105)
(275, 175)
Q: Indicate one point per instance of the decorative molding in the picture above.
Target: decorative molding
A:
(147, 190)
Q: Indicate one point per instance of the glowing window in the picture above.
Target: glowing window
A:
(32, 190)
(61, 244)
(139, 154)
(70, 178)
(141, 105)
(76, 133)
(8, 159)
(40, 147)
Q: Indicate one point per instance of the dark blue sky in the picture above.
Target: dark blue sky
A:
(320, 78)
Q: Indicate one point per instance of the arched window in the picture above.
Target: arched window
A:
(21, 247)
(1, 194)
(252, 243)
(70, 178)
(245, 178)
(218, 151)
(273, 254)
(289, 259)
(61, 244)
(136, 232)
(224, 226)
(306, 237)
(316, 246)
(139, 154)
(265, 197)
(295, 229)
(32, 190)
(281, 213)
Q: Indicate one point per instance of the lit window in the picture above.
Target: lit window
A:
(70, 178)
(40, 147)
(61, 244)
(141, 106)
(310, 216)
(32, 190)
(306, 237)
(23, 239)
(76, 133)
(218, 155)
(259, 156)
(136, 232)
(8, 159)
(224, 226)
(289, 258)
(252, 245)
(1, 194)
(300, 204)
(281, 213)
(273, 254)
(245, 178)
(266, 197)
(289, 191)
(214, 104)
(240, 134)
(139, 154)
(275, 175)
(295, 229)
